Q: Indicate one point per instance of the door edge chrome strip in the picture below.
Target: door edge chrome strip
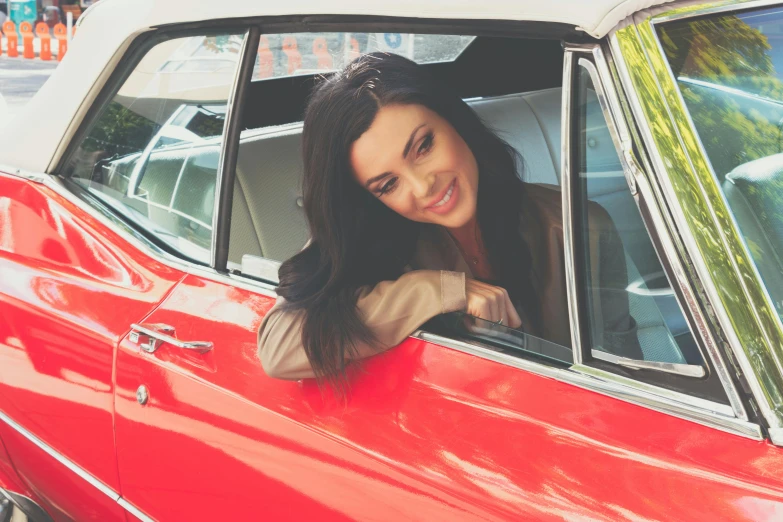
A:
(70, 465)
(133, 510)
(701, 411)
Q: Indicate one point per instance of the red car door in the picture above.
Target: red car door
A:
(68, 288)
(427, 432)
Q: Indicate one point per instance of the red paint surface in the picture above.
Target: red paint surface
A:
(9, 479)
(68, 293)
(63, 495)
(428, 433)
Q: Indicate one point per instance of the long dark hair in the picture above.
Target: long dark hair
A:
(355, 239)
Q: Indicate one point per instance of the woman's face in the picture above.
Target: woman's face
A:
(417, 165)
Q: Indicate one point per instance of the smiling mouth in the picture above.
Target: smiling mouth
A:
(446, 197)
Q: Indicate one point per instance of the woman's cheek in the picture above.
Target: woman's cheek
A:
(401, 207)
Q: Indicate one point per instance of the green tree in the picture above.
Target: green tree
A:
(726, 51)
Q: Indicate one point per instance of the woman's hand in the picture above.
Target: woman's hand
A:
(490, 303)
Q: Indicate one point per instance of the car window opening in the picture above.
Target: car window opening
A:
(154, 150)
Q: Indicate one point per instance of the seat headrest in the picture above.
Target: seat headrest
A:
(754, 191)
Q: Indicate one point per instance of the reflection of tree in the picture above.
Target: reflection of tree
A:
(119, 131)
(725, 51)
(222, 43)
(206, 123)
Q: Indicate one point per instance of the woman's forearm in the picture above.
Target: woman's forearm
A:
(392, 310)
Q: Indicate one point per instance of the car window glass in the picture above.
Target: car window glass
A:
(152, 152)
(729, 69)
(281, 55)
(631, 309)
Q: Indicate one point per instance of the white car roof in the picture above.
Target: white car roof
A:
(32, 139)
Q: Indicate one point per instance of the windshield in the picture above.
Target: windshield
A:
(729, 69)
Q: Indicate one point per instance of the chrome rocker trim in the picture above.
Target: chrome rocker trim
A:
(97, 484)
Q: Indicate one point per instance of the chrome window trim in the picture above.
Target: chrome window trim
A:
(668, 235)
(73, 467)
(565, 193)
(637, 36)
(641, 190)
(687, 370)
(700, 411)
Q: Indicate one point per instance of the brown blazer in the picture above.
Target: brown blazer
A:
(395, 309)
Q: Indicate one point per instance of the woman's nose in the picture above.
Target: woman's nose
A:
(421, 184)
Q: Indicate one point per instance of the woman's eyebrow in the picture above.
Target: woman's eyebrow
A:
(376, 179)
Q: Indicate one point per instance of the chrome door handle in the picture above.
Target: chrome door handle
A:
(149, 337)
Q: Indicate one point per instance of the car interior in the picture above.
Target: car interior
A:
(521, 100)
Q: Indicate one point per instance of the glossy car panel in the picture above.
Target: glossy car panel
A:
(67, 295)
(64, 495)
(427, 433)
(9, 480)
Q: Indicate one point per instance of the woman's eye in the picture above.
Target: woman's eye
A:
(387, 187)
(426, 144)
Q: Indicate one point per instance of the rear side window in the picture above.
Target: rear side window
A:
(152, 152)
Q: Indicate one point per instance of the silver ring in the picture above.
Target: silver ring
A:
(499, 322)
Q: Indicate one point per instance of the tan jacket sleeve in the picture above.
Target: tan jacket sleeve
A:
(392, 310)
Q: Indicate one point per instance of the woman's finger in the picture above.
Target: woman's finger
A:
(514, 321)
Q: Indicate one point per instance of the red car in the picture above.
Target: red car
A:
(150, 190)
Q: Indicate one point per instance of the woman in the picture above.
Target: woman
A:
(415, 209)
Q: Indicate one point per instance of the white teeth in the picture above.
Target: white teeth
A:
(446, 198)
